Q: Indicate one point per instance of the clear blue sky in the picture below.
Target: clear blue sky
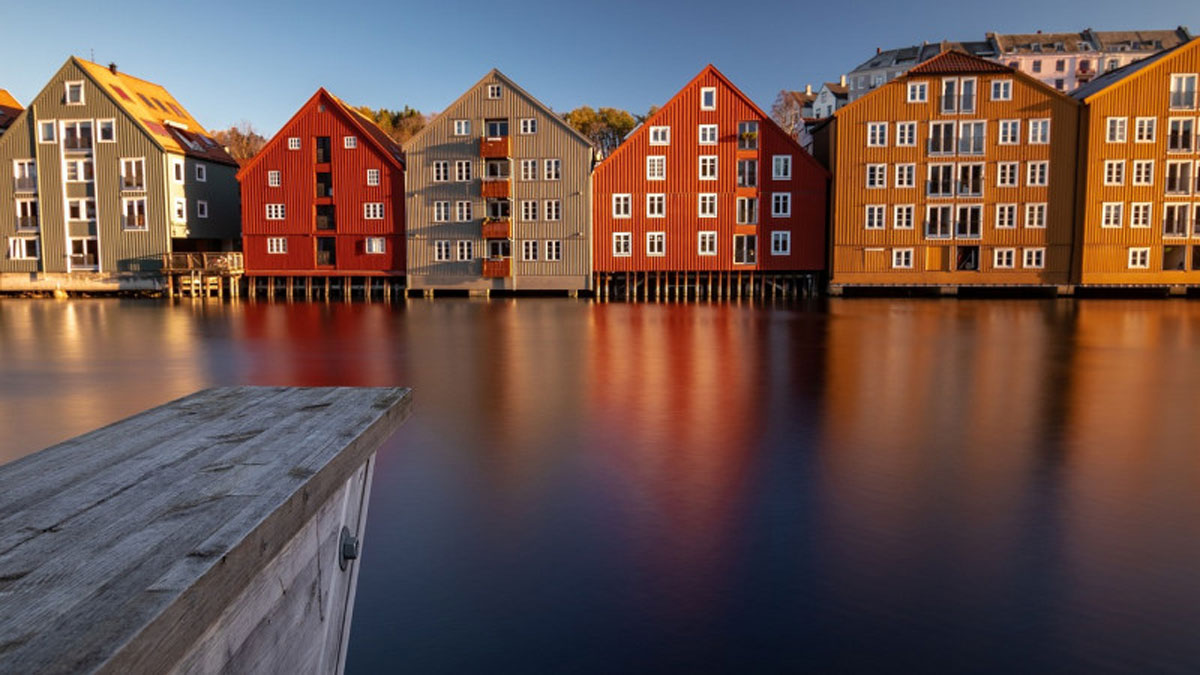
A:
(258, 61)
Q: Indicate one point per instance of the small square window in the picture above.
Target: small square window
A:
(529, 126)
(708, 98)
(462, 127)
(74, 93)
(350, 142)
(372, 177)
(293, 143)
(106, 131)
(376, 245)
(493, 91)
(660, 135)
(46, 131)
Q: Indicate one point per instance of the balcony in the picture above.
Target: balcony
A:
(133, 183)
(938, 146)
(497, 228)
(495, 147)
(497, 269)
(26, 184)
(495, 187)
(27, 223)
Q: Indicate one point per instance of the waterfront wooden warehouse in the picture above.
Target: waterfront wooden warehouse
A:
(324, 198)
(708, 196)
(961, 172)
(106, 174)
(498, 196)
(1139, 185)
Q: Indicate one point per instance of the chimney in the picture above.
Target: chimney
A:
(878, 51)
(808, 89)
(112, 68)
(843, 81)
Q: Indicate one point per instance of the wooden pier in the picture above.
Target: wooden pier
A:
(216, 533)
(203, 274)
(692, 286)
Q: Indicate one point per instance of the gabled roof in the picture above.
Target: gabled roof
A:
(955, 62)
(801, 97)
(495, 72)
(1114, 77)
(375, 136)
(153, 108)
(711, 69)
(1140, 40)
(906, 57)
(837, 89)
(9, 109)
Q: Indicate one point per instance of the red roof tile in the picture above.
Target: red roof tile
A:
(953, 62)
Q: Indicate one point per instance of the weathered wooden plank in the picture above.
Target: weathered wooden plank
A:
(153, 527)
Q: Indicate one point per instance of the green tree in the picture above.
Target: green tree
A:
(400, 125)
(606, 127)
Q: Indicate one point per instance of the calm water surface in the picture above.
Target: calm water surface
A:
(859, 485)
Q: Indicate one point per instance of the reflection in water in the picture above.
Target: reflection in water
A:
(856, 485)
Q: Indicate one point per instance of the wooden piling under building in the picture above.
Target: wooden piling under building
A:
(704, 286)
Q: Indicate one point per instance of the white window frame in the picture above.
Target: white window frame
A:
(373, 177)
(293, 143)
(201, 209)
(442, 250)
(622, 244)
(17, 248)
(177, 172)
(879, 210)
(876, 176)
(463, 211)
(112, 127)
(179, 212)
(908, 171)
(375, 246)
(653, 238)
(1114, 172)
(1038, 208)
(529, 250)
(1141, 215)
(441, 211)
(706, 243)
(1043, 175)
(906, 134)
(67, 93)
(1014, 175)
(660, 135)
(715, 165)
(1143, 124)
(1142, 177)
(1004, 258)
(781, 167)
(902, 258)
(622, 205)
(877, 134)
(552, 169)
(707, 134)
(529, 170)
(1138, 258)
(656, 167)
(125, 227)
(906, 223)
(463, 170)
(918, 92)
(781, 205)
(1001, 90)
(528, 126)
(373, 211)
(201, 173)
(349, 142)
(462, 127)
(1036, 137)
(43, 126)
(703, 200)
(552, 210)
(464, 250)
(1039, 263)
(656, 205)
(1009, 132)
(1112, 215)
(705, 92)
(493, 91)
(277, 245)
(1011, 210)
(529, 210)
(276, 211)
(1116, 129)
(274, 178)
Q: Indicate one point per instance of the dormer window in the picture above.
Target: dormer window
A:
(74, 93)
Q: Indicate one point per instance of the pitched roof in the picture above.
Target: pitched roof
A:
(9, 109)
(1114, 77)
(905, 57)
(1024, 43)
(838, 89)
(153, 108)
(1140, 40)
(954, 61)
(801, 97)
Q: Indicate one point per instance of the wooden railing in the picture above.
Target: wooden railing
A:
(495, 188)
(230, 262)
(497, 229)
(493, 147)
(497, 269)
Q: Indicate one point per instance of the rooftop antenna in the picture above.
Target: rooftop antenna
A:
(92, 51)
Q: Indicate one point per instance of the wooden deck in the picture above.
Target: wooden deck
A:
(215, 533)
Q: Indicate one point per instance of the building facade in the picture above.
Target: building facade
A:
(324, 197)
(498, 196)
(1139, 194)
(9, 109)
(888, 64)
(1067, 60)
(959, 172)
(830, 97)
(105, 173)
(709, 183)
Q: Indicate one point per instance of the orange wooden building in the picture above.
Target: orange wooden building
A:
(960, 172)
(1139, 184)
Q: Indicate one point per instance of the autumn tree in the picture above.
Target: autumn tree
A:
(242, 140)
(400, 125)
(606, 127)
(787, 113)
(641, 119)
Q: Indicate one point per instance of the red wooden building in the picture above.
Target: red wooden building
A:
(709, 197)
(324, 197)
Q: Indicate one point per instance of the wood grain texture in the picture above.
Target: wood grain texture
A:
(119, 549)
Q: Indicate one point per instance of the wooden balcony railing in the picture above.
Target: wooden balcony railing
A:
(229, 262)
(497, 269)
(496, 188)
(497, 228)
(496, 147)
(26, 184)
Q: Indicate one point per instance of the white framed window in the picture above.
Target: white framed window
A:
(660, 135)
(25, 175)
(1183, 91)
(708, 167)
(276, 211)
(373, 211)
(529, 250)
(350, 142)
(1143, 172)
(747, 210)
(1140, 214)
(656, 167)
(939, 221)
(293, 143)
(462, 170)
(274, 179)
(903, 216)
(465, 250)
(73, 94)
(708, 134)
(441, 212)
(876, 176)
(877, 134)
(906, 134)
(276, 245)
(552, 169)
(24, 248)
(1010, 132)
(1001, 90)
(747, 173)
(133, 214)
(27, 214)
(1004, 258)
(656, 206)
(1118, 130)
(708, 98)
(706, 243)
(781, 167)
(971, 137)
(1139, 258)
(1006, 174)
(1114, 172)
(1035, 216)
(529, 210)
(906, 175)
(781, 243)
(1112, 214)
(553, 208)
(493, 91)
(1180, 134)
(106, 131)
(706, 205)
(656, 244)
(902, 258)
(462, 211)
(441, 250)
(529, 169)
(918, 92)
(622, 206)
(372, 177)
(1037, 173)
(177, 170)
(528, 125)
(46, 131)
(1006, 216)
(553, 250)
(1175, 219)
(201, 173)
(1035, 258)
(201, 208)
(622, 244)
(1145, 130)
(79, 170)
(745, 249)
(781, 205)
(1179, 177)
(1039, 132)
(180, 212)
(462, 127)
(375, 245)
(875, 216)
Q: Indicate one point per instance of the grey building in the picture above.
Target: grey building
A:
(108, 172)
(498, 196)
